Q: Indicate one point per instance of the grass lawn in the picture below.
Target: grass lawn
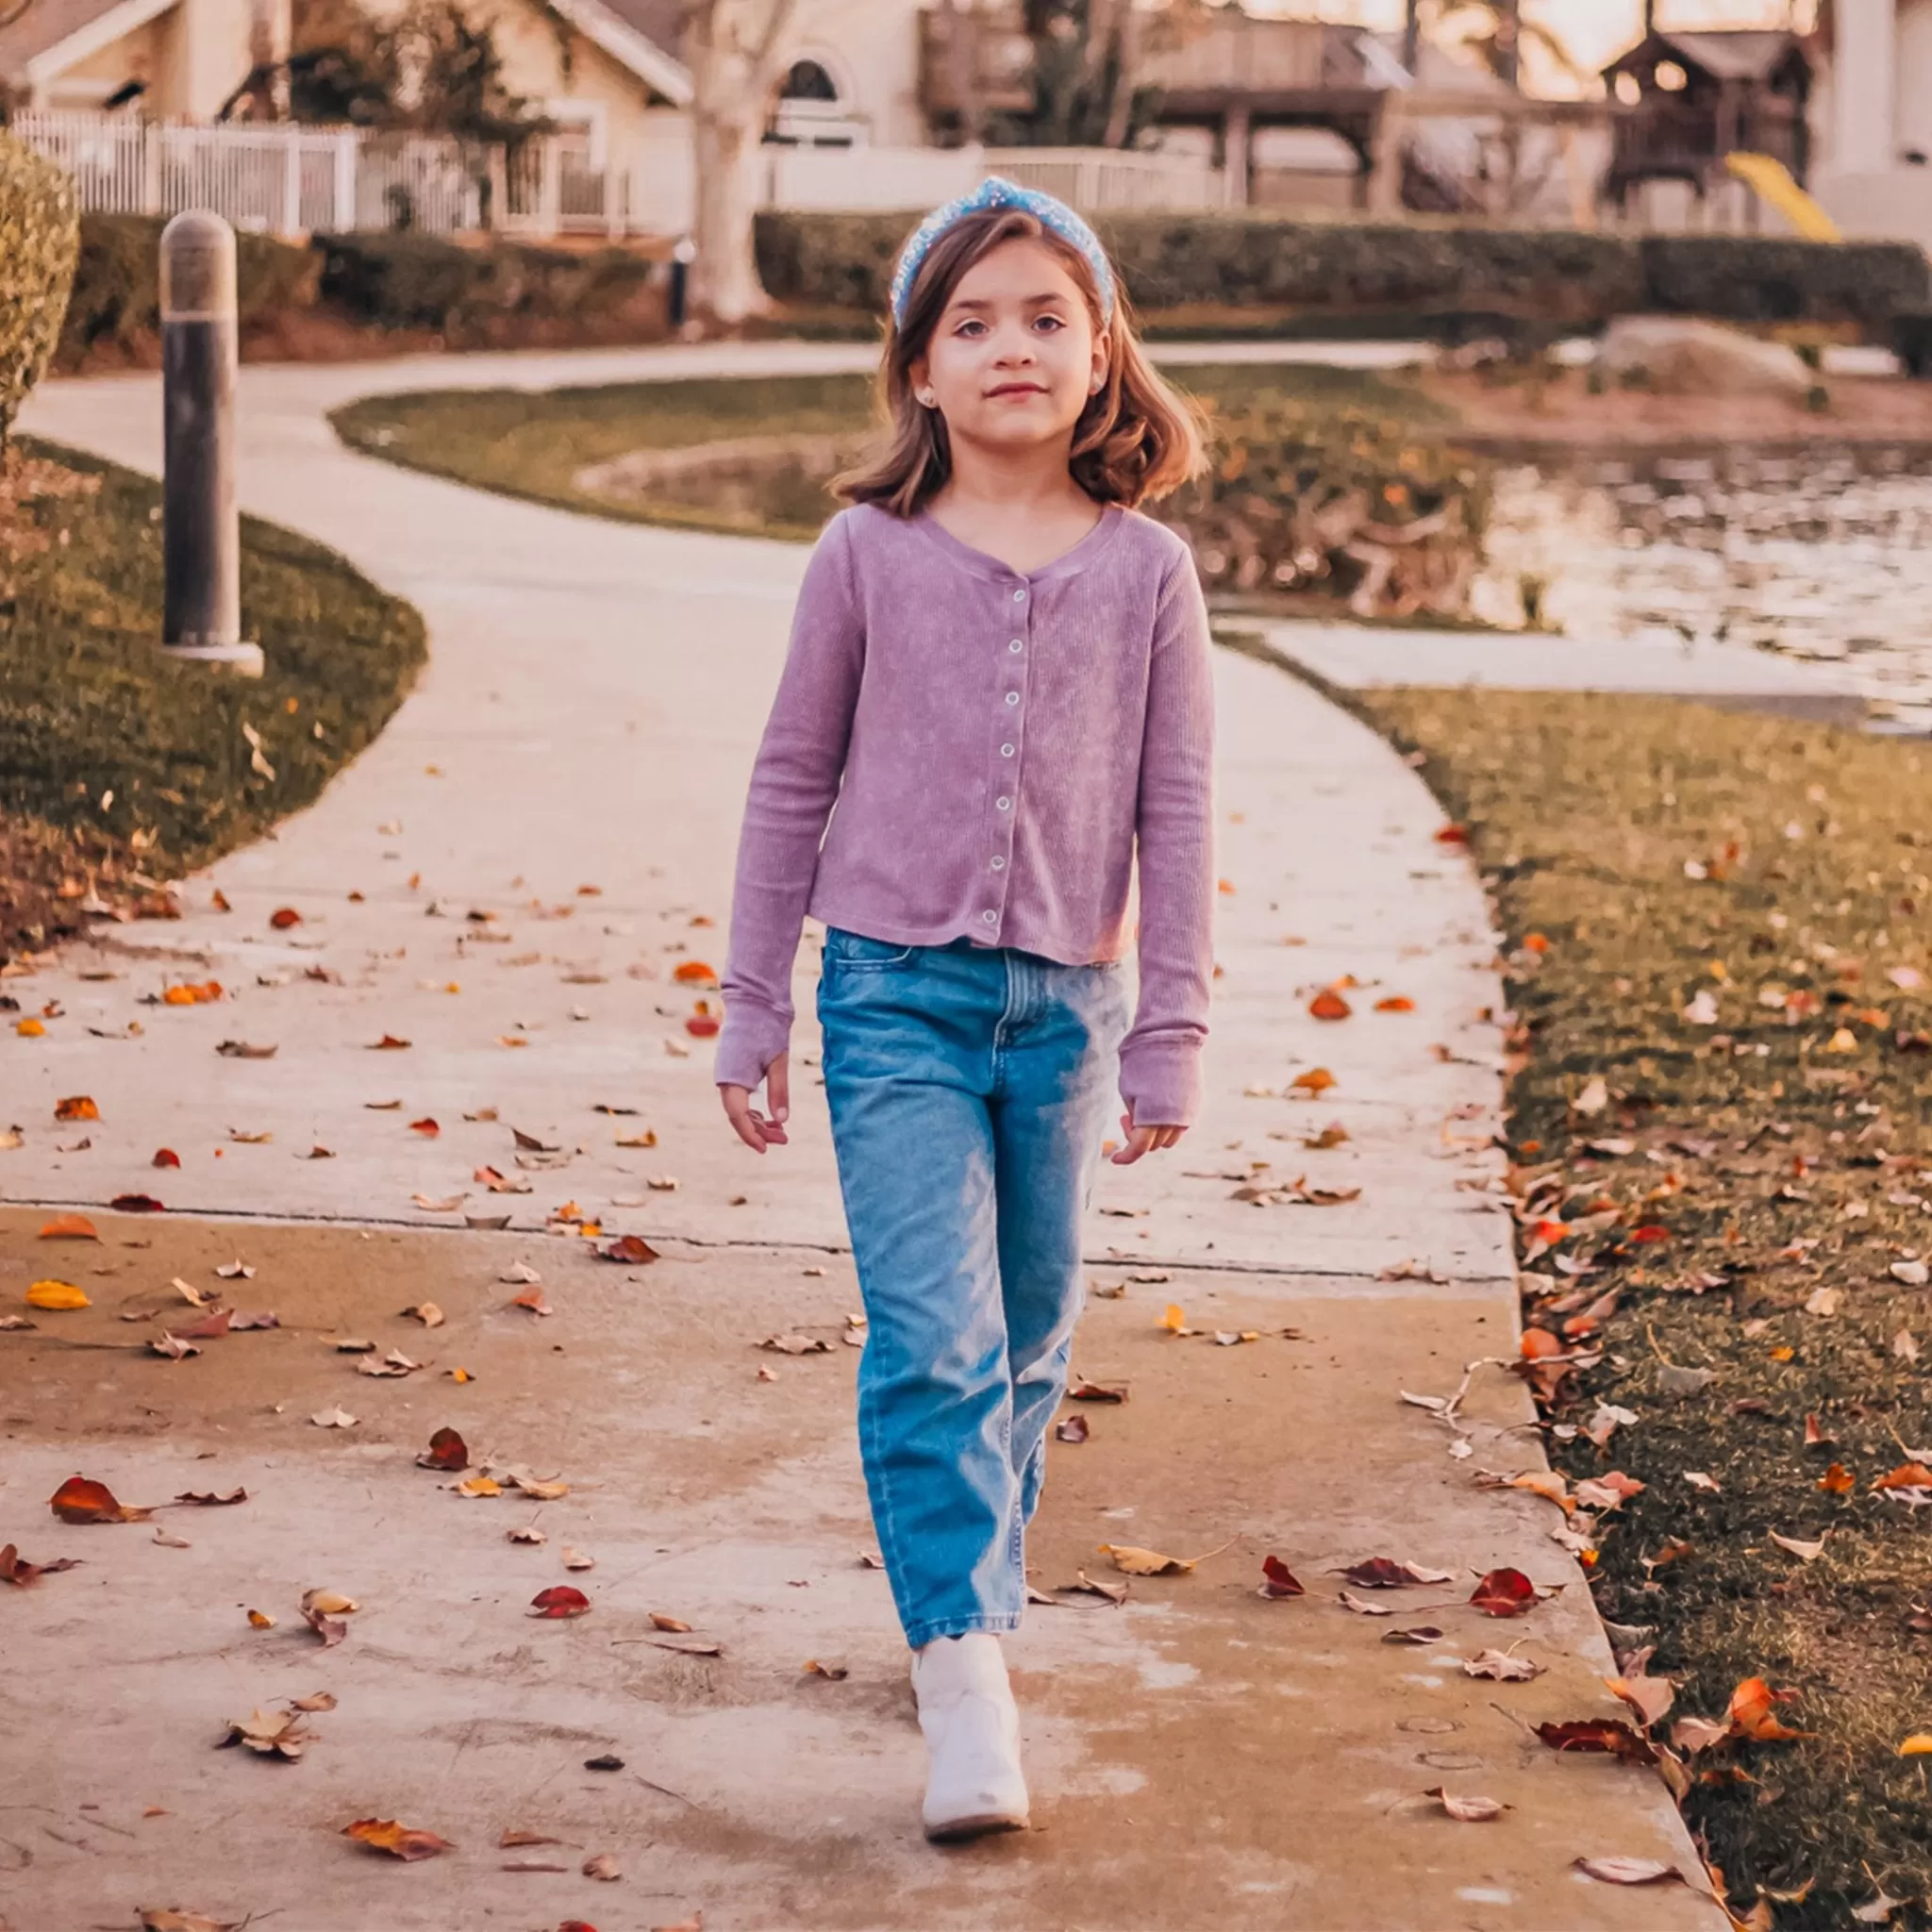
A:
(1744, 1191)
(533, 444)
(120, 771)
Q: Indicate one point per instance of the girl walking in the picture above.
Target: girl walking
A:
(998, 693)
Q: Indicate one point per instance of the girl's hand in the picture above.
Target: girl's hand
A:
(1143, 1140)
(752, 1127)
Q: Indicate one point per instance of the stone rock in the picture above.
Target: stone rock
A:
(1681, 356)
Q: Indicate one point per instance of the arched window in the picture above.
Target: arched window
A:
(808, 80)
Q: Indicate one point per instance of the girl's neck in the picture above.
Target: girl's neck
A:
(1020, 510)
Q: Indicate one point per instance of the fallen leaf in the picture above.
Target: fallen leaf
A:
(604, 1866)
(631, 1249)
(1918, 1746)
(1362, 1607)
(80, 1499)
(388, 1043)
(575, 1560)
(1384, 1572)
(1418, 1634)
(1908, 1475)
(1330, 1004)
(171, 1919)
(1503, 1666)
(1837, 1480)
(426, 1313)
(56, 1295)
(1750, 1712)
(1467, 1810)
(1174, 1321)
(1650, 1697)
(533, 1300)
(269, 1733)
(1629, 1871)
(77, 1106)
(446, 1451)
(796, 1345)
(1074, 1428)
(1503, 1593)
(242, 1050)
(431, 1204)
(427, 1127)
(1315, 1081)
(1278, 1580)
(697, 1646)
(1609, 1735)
(1137, 1562)
(836, 1673)
(333, 1418)
(208, 1499)
(400, 1841)
(261, 1620)
(1805, 1553)
(331, 1603)
(70, 1227)
(1913, 1274)
(560, 1600)
(165, 1156)
(1097, 1391)
(16, 1570)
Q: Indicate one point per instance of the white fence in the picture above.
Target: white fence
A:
(288, 180)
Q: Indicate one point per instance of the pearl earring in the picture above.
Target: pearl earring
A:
(928, 397)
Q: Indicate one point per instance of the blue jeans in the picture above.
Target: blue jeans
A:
(969, 1090)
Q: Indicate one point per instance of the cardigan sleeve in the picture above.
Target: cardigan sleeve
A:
(794, 784)
(1160, 1057)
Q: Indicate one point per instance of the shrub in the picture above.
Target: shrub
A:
(1436, 278)
(117, 291)
(472, 296)
(1761, 278)
(37, 244)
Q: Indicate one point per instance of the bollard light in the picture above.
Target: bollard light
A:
(201, 522)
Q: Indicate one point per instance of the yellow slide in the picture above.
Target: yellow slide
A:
(1771, 181)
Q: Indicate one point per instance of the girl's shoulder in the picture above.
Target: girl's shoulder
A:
(1146, 537)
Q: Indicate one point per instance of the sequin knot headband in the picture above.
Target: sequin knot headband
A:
(1052, 215)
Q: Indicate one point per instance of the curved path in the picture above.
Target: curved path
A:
(509, 880)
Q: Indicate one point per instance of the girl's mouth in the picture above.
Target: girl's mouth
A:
(1018, 389)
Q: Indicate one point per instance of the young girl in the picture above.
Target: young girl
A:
(999, 677)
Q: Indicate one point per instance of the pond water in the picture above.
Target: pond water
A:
(1823, 554)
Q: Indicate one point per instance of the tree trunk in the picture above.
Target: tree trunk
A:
(735, 50)
(728, 152)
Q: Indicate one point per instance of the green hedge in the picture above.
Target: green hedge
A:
(473, 296)
(1438, 278)
(37, 244)
(117, 293)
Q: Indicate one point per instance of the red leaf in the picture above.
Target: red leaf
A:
(702, 1027)
(427, 1127)
(166, 1156)
(1503, 1593)
(1277, 1579)
(1453, 835)
(1330, 1004)
(632, 1249)
(1384, 1572)
(447, 1450)
(1609, 1735)
(283, 917)
(560, 1600)
(1650, 1234)
(136, 1204)
(80, 1499)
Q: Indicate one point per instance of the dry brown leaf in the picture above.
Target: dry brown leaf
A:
(426, 1313)
(400, 1841)
(1467, 1810)
(1629, 1871)
(1502, 1665)
(603, 1865)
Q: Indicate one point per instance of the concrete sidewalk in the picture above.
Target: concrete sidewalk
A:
(1202, 1756)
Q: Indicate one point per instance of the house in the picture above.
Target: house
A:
(1871, 119)
(172, 60)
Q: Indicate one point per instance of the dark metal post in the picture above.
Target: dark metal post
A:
(201, 525)
(677, 297)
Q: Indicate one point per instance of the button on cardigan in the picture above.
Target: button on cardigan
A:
(958, 751)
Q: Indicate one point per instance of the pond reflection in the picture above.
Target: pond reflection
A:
(1819, 553)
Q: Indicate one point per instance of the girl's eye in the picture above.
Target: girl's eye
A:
(971, 325)
(1048, 323)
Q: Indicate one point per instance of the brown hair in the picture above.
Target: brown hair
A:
(1135, 439)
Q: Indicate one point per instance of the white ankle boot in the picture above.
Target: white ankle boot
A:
(974, 1783)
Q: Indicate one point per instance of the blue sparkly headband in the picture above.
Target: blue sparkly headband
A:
(1052, 215)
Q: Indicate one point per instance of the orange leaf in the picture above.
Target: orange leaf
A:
(1908, 1475)
(446, 1450)
(696, 972)
(632, 1249)
(1750, 1711)
(70, 1227)
(1837, 1480)
(166, 1156)
(1537, 1343)
(80, 1499)
(30, 1028)
(76, 1108)
(1398, 1004)
(427, 1127)
(399, 1841)
(389, 1043)
(1316, 1080)
(283, 917)
(1330, 1004)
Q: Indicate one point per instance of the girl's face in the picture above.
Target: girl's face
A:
(1015, 356)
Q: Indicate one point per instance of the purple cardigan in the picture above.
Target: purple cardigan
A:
(995, 746)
